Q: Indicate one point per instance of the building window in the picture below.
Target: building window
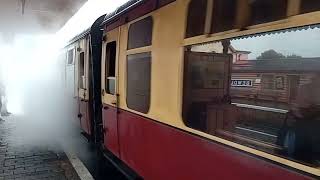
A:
(70, 57)
(138, 81)
(81, 71)
(110, 67)
(309, 6)
(279, 80)
(224, 15)
(140, 33)
(263, 11)
(267, 81)
(196, 18)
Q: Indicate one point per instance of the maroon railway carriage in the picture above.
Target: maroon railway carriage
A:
(184, 89)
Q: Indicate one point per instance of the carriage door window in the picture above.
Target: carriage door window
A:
(81, 71)
(111, 50)
(139, 65)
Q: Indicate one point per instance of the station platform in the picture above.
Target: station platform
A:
(19, 160)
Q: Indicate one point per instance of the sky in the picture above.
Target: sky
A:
(305, 43)
(86, 16)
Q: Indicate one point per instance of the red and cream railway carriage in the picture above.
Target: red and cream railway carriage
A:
(167, 98)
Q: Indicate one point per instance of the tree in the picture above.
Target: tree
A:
(271, 54)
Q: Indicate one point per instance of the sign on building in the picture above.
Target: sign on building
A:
(241, 83)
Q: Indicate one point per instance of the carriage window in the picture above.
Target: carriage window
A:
(196, 18)
(263, 11)
(138, 81)
(309, 6)
(70, 56)
(258, 91)
(140, 33)
(224, 13)
(111, 50)
(81, 71)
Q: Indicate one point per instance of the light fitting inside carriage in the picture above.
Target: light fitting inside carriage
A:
(271, 82)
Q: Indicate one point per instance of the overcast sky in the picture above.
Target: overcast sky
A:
(86, 16)
(305, 43)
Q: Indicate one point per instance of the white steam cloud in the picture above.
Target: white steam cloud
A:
(34, 78)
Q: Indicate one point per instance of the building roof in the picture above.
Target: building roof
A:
(300, 28)
(278, 65)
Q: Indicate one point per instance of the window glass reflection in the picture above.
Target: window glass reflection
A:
(271, 99)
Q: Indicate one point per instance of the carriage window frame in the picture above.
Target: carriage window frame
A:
(136, 51)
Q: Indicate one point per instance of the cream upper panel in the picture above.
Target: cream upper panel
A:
(167, 61)
(167, 57)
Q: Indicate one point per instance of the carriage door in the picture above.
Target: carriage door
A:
(83, 85)
(109, 92)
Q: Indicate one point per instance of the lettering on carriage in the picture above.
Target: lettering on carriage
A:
(266, 94)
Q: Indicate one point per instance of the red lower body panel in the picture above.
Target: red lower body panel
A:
(159, 152)
(110, 126)
(85, 121)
